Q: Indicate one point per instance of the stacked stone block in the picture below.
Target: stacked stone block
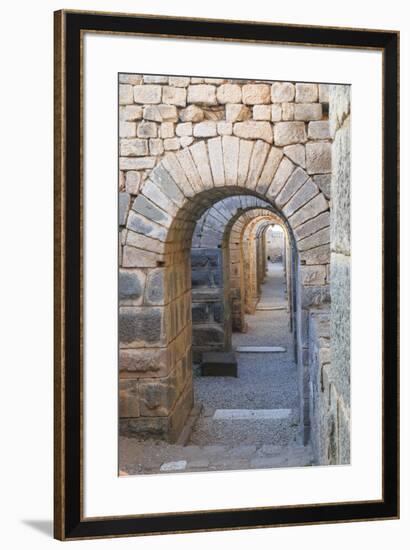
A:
(323, 408)
(175, 112)
(329, 411)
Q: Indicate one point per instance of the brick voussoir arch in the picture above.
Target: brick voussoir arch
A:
(185, 184)
(219, 218)
(155, 327)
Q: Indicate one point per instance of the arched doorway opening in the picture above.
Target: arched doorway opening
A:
(155, 325)
(218, 258)
(267, 385)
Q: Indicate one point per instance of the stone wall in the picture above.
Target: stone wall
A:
(328, 412)
(160, 114)
(323, 406)
(339, 371)
(184, 145)
(329, 329)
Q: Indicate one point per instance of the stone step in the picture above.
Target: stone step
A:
(252, 414)
(220, 457)
(249, 457)
(268, 307)
(219, 363)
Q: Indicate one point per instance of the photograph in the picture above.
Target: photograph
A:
(233, 274)
(203, 250)
(226, 274)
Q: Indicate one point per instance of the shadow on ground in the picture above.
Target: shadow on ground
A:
(44, 526)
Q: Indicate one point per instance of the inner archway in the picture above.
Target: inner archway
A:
(260, 408)
(217, 270)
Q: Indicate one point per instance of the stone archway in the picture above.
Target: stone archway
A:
(213, 255)
(155, 288)
(250, 255)
(238, 254)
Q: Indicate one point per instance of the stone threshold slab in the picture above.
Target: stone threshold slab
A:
(260, 349)
(270, 308)
(251, 414)
(174, 466)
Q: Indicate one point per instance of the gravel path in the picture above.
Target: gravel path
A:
(265, 380)
(273, 289)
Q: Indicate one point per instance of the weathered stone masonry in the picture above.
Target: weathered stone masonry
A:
(185, 144)
(329, 331)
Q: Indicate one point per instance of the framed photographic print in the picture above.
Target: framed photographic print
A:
(226, 267)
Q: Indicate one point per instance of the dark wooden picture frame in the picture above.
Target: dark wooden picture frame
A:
(69, 519)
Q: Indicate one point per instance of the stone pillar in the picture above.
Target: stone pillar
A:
(287, 266)
(264, 255)
(261, 260)
(323, 406)
(251, 270)
(339, 372)
(155, 329)
(236, 279)
(226, 313)
(326, 381)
